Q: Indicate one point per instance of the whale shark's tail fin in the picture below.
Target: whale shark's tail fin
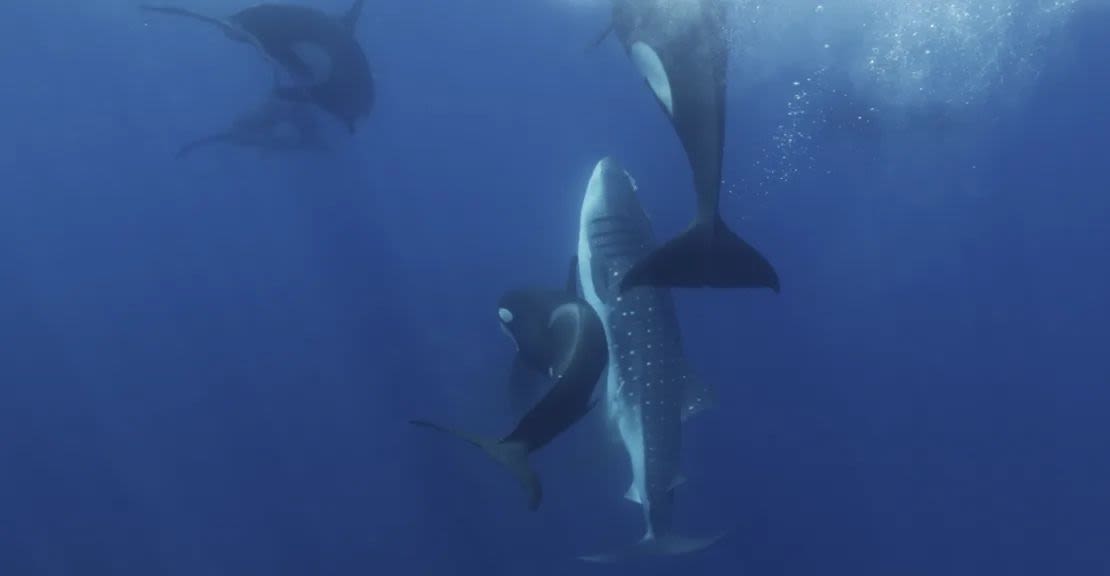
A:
(706, 255)
(666, 545)
(512, 455)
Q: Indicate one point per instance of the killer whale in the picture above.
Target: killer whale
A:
(561, 334)
(317, 49)
(275, 125)
(680, 49)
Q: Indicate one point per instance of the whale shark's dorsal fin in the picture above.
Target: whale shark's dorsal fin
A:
(350, 17)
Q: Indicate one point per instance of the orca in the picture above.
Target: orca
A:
(559, 333)
(276, 125)
(680, 49)
(317, 49)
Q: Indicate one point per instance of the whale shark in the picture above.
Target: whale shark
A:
(680, 49)
(318, 49)
(650, 389)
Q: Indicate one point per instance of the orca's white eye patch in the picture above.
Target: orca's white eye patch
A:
(652, 69)
(505, 314)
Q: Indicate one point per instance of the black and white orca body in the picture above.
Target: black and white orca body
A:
(681, 50)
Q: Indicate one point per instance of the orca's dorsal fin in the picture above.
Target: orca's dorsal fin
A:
(350, 17)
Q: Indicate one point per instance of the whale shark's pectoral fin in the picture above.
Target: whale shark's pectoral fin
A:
(599, 38)
(706, 255)
(670, 544)
(511, 455)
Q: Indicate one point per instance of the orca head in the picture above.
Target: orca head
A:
(524, 316)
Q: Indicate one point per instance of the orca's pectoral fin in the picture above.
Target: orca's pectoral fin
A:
(511, 455)
(666, 545)
(599, 39)
(230, 31)
(178, 11)
(706, 255)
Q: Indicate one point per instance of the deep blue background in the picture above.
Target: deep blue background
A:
(206, 365)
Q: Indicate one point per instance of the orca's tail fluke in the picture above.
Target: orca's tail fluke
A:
(706, 255)
(511, 455)
(667, 545)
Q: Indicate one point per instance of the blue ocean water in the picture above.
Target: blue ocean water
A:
(207, 364)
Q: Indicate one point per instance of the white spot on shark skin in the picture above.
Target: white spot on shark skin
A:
(652, 69)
